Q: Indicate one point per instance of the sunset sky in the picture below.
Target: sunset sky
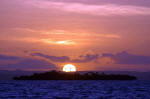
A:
(91, 34)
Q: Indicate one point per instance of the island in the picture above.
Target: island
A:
(59, 75)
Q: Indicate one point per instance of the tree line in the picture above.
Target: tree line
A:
(58, 75)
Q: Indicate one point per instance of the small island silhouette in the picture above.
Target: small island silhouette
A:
(59, 75)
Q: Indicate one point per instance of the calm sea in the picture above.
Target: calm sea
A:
(74, 89)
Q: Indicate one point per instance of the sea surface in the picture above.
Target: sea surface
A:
(74, 89)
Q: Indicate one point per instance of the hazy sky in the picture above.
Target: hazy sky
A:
(91, 34)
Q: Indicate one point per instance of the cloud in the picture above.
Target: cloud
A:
(14, 62)
(127, 58)
(103, 9)
(66, 33)
(82, 59)
(52, 58)
(119, 58)
(86, 58)
(30, 64)
(5, 57)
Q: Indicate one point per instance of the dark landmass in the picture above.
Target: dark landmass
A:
(58, 75)
(9, 74)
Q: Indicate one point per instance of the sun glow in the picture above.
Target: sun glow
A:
(61, 42)
(64, 42)
(69, 68)
(67, 42)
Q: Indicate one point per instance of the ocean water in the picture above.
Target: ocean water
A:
(74, 89)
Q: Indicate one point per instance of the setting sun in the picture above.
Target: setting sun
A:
(69, 68)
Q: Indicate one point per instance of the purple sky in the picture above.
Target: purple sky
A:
(91, 34)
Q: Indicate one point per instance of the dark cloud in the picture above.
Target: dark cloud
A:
(30, 64)
(82, 59)
(24, 63)
(127, 58)
(86, 58)
(5, 57)
(53, 58)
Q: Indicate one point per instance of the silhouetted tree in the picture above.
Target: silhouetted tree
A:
(57, 75)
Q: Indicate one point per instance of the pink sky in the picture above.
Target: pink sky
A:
(73, 29)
